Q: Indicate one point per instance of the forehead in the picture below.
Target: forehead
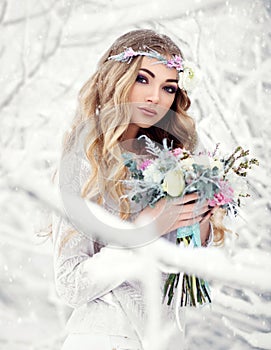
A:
(159, 69)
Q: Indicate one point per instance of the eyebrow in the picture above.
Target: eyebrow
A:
(153, 75)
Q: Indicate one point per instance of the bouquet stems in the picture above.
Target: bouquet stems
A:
(195, 290)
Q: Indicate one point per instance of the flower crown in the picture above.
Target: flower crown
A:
(188, 73)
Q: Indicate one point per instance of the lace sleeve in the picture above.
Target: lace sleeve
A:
(84, 271)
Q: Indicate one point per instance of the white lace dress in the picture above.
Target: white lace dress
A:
(94, 281)
(109, 305)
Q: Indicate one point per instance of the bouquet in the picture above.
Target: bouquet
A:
(172, 173)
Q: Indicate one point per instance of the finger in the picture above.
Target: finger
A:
(183, 223)
(193, 207)
(190, 214)
(185, 199)
(206, 217)
(175, 223)
(204, 211)
(197, 218)
(192, 210)
(184, 219)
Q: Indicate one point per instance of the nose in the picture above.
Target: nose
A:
(153, 97)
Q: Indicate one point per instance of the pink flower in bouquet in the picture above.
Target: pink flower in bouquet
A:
(177, 151)
(144, 165)
(225, 195)
(219, 199)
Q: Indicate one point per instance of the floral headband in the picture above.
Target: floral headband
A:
(188, 73)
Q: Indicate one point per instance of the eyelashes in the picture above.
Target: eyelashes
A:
(171, 89)
(141, 79)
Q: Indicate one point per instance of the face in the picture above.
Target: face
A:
(152, 94)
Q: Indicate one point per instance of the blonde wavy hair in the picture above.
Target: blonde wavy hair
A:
(103, 104)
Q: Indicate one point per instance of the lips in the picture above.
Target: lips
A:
(148, 111)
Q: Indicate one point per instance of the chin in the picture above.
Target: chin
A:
(144, 126)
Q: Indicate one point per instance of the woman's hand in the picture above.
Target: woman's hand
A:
(172, 214)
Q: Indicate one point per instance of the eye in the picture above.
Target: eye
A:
(141, 79)
(170, 89)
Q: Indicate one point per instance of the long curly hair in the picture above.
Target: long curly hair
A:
(103, 106)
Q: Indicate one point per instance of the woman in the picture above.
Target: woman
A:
(135, 91)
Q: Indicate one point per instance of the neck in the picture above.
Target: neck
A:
(129, 140)
(131, 132)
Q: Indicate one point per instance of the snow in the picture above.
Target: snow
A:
(48, 50)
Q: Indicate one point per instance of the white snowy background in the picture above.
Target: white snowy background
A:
(48, 49)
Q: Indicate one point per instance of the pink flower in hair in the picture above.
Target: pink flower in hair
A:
(170, 63)
(144, 165)
(129, 52)
(178, 62)
(175, 62)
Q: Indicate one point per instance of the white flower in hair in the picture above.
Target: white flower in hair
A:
(190, 77)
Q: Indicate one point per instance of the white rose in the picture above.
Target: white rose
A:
(187, 163)
(151, 174)
(190, 77)
(174, 183)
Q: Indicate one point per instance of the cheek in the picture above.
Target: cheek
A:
(134, 94)
(168, 100)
